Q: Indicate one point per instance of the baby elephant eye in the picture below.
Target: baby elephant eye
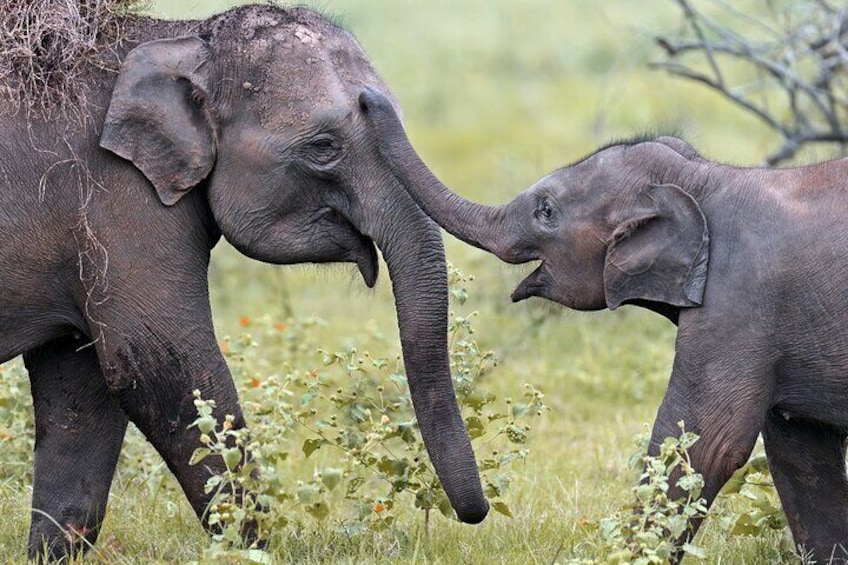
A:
(546, 211)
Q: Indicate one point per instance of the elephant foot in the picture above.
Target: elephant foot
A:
(53, 540)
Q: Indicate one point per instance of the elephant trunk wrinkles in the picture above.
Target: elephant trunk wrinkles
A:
(475, 224)
(415, 258)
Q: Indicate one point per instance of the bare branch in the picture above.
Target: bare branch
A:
(803, 62)
(791, 146)
(782, 73)
(693, 18)
(687, 73)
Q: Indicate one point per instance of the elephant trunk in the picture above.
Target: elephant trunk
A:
(475, 224)
(416, 262)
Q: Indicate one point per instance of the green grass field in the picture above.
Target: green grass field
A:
(495, 94)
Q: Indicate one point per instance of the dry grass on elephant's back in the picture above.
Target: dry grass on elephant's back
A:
(46, 45)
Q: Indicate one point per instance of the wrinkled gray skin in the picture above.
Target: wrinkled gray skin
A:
(751, 264)
(245, 125)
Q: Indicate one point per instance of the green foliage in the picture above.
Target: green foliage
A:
(238, 493)
(16, 422)
(751, 506)
(355, 410)
(652, 528)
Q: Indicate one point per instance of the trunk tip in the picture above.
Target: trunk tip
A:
(472, 513)
(372, 99)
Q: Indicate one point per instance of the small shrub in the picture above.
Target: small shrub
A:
(748, 508)
(650, 529)
(750, 505)
(352, 414)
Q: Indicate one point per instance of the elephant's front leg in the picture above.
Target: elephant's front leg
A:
(152, 369)
(721, 401)
(79, 429)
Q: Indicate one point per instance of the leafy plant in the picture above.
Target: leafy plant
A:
(752, 484)
(238, 492)
(651, 528)
(352, 414)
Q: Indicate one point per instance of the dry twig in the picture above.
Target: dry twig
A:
(47, 45)
(794, 66)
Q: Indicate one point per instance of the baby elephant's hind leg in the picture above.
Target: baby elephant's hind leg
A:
(807, 461)
(79, 429)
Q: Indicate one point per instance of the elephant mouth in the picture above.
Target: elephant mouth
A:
(361, 248)
(533, 285)
(367, 262)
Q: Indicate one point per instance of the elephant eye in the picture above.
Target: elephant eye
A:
(545, 211)
(322, 150)
(323, 143)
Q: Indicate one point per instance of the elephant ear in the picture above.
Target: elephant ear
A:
(660, 252)
(158, 117)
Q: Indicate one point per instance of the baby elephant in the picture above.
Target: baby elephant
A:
(752, 266)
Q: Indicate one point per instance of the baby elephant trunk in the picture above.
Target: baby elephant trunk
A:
(475, 224)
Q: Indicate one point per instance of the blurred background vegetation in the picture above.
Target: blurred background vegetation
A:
(495, 94)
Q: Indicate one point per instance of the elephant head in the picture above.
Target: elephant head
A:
(608, 229)
(258, 109)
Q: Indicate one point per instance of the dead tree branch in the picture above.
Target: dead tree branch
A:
(788, 66)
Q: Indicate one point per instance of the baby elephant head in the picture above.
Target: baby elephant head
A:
(607, 230)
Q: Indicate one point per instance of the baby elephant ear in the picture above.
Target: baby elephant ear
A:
(660, 252)
(158, 117)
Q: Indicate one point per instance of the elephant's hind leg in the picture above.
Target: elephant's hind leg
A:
(79, 429)
(807, 461)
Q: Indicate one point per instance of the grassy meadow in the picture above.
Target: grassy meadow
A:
(495, 94)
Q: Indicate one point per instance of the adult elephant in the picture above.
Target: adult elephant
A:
(751, 264)
(245, 125)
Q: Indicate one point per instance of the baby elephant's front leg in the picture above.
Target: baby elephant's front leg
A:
(721, 408)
